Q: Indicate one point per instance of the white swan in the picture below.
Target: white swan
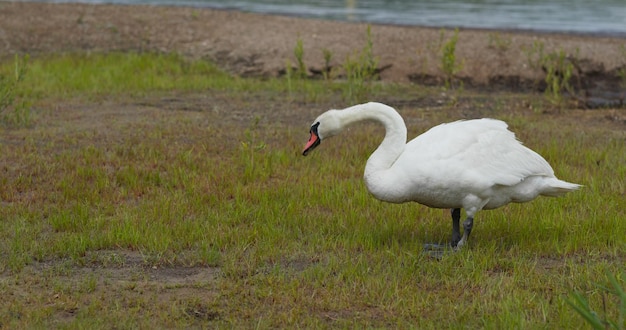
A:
(471, 164)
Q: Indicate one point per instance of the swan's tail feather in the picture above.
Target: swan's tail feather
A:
(556, 188)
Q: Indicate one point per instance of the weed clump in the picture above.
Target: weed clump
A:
(361, 69)
(449, 62)
(498, 42)
(298, 51)
(558, 69)
(327, 72)
(14, 106)
(618, 321)
(621, 73)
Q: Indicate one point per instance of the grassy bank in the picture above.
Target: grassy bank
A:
(150, 191)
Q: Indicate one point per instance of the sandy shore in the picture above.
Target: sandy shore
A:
(255, 44)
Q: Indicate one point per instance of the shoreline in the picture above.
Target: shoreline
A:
(250, 44)
(539, 32)
(545, 31)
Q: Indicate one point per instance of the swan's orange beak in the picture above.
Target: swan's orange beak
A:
(314, 140)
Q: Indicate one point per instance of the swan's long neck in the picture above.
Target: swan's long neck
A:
(395, 133)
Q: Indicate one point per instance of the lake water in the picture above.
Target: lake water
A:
(607, 17)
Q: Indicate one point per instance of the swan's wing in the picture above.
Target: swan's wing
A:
(500, 159)
(480, 153)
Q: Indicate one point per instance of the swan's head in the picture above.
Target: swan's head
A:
(326, 125)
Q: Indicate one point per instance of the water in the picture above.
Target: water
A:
(606, 17)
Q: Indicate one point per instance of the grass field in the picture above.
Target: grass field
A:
(149, 191)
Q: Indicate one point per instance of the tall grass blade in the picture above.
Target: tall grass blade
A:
(581, 306)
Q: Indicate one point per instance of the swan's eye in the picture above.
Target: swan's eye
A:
(314, 128)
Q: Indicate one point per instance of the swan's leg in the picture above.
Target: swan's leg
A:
(437, 250)
(467, 229)
(456, 230)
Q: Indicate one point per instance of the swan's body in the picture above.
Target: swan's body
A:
(472, 164)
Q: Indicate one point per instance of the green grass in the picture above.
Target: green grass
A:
(593, 318)
(96, 74)
(93, 76)
(14, 100)
(120, 208)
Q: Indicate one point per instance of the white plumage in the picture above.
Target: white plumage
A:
(471, 164)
